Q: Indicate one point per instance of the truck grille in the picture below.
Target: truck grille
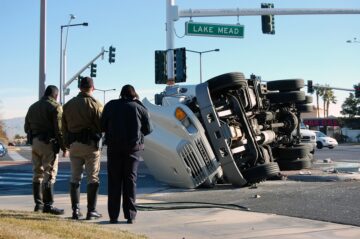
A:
(188, 155)
(208, 162)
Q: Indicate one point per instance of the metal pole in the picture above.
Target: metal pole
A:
(42, 53)
(104, 97)
(170, 41)
(64, 75)
(200, 57)
(83, 69)
(200, 67)
(64, 57)
(61, 70)
(256, 12)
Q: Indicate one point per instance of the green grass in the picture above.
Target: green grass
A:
(30, 225)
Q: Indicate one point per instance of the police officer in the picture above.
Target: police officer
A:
(125, 122)
(81, 120)
(43, 127)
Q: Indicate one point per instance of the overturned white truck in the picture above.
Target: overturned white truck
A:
(228, 128)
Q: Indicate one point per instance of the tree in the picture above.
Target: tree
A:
(328, 98)
(319, 92)
(2, 131)
(2, 128)
(351, 106)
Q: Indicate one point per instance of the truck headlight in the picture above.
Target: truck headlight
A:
(180, 114)
(182, 117)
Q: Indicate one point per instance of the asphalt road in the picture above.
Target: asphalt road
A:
(326, 201)
(347, 153)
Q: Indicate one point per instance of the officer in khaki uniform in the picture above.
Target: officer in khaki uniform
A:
(43, 127)
(82, 132)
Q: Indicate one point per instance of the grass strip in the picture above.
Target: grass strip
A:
(31, 225)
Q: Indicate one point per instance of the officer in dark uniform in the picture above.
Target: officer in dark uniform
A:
(82, 132)
(125, 122)
(43, 127)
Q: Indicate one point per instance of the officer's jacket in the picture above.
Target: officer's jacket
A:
(44, 118)
(125, 123)
(80, 113)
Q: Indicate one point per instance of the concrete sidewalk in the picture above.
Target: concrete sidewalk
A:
(202, 223)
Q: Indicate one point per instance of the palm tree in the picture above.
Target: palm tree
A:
(319, 91)
(328, 98)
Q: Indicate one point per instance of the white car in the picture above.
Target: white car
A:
(3, 150)
(322, 140)
(308, 137)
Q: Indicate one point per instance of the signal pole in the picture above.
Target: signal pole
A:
(42, 53)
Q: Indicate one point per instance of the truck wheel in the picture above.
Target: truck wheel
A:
(286, 97)
(286, 85)
(261, 172)
(305, 107)
(227, 81)
(297, 164)
(294, 152)
(308, 99)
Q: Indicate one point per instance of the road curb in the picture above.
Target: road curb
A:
(324, 178)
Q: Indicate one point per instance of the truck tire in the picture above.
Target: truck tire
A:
(261, 172)
(293, 152)
(297, 164)
(308, 99)
(286, 97)
(286, 85)
(305, 107)
(227, 81)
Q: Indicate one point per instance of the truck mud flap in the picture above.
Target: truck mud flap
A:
(213, 127)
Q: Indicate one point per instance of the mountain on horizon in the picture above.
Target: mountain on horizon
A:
(14, 126)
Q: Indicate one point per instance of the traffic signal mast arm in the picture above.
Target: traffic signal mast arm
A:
(330, 87)
(84, 68)
(257, 12)
(173, 14)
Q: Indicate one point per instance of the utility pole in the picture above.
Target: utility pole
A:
(170, 8)
(42, 52)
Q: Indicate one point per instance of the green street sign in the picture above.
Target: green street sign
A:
(214, 30)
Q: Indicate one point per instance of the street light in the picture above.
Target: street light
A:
(63, 54)
(200, 54)
(104, 91)
(355, 40)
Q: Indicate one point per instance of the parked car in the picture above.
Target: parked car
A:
(322, 140)
(308, 137)
(3, 150)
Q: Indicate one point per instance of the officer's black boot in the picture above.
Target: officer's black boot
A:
(92, 192)
(48, 198)
(39, 205)
(75, 200)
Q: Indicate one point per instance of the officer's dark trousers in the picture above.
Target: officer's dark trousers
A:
(122, 174)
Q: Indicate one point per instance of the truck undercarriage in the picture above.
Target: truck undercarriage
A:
(228, 128)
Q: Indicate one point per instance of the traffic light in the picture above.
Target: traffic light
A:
(79, 80)
(310, 88)
(268, 21)
(112, 54)
(93, 70)
(180, 64)
(160, 67)
(357, 91)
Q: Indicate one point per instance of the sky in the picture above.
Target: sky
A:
(309, 47)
